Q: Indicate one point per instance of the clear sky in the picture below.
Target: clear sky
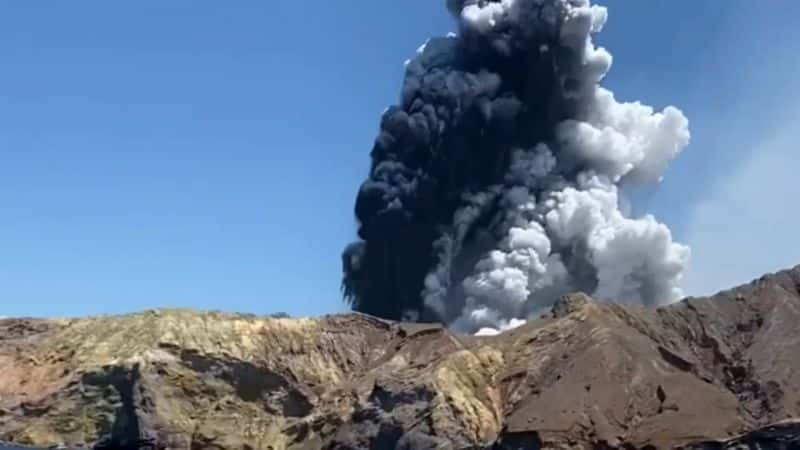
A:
(206, 154)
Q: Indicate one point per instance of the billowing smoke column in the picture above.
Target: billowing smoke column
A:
(495, 183)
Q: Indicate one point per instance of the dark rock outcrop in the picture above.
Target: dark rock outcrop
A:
(706, 373)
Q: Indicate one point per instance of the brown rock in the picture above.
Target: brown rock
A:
(718, 372)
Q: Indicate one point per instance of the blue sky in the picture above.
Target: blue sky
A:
(190, 153)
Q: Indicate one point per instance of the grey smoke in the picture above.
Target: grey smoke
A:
(495, 184)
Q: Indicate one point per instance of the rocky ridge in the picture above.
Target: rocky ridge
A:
(705, 373)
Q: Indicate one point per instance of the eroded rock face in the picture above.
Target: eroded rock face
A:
(705, 373)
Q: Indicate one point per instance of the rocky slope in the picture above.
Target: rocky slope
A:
(705, 373)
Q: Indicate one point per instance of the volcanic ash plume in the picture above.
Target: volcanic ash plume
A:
(495, 183)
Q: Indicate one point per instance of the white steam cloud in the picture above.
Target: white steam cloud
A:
(495, 183)
(561, 200)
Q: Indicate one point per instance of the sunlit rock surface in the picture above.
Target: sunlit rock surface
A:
(705, 373)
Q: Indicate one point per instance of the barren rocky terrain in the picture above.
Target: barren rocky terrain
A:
(704, 373)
